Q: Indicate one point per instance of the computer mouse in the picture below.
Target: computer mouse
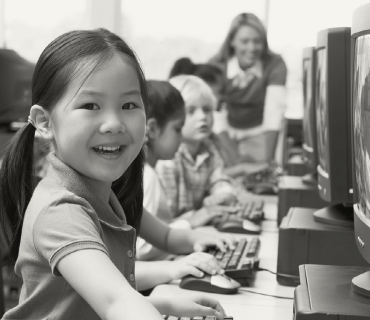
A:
(267, 189)
(239, 226)
(210, 283)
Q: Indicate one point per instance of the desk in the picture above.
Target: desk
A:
(244, 305)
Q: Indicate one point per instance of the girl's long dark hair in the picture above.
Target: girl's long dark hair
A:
(71, 55)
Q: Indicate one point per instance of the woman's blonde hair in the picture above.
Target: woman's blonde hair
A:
(192, 88)
(244, 19)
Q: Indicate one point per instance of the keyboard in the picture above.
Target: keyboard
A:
(251, 210)
(241, 262)
(194, 318)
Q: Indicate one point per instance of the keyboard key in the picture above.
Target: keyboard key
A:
(240, 247)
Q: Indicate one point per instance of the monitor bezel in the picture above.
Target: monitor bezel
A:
(336, 42)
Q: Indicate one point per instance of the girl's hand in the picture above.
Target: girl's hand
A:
(205, 215)
(220, 199)
(221, 240)
(201, 305)
(195, 264)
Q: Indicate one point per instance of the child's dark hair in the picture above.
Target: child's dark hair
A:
(164, 101)
(70, 55)
(210, 73)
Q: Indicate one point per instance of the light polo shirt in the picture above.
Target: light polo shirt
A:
(64, 216)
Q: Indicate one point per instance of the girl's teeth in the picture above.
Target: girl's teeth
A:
(107, 149)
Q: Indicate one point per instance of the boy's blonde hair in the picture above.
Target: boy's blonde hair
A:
(192, 88)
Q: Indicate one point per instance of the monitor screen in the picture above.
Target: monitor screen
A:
(321, 111)
(361, 123)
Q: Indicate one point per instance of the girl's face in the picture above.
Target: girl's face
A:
(199, 119)
(248, 46)
(100, 130)
(166, 144)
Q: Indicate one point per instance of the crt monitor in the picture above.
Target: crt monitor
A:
(15, 87)
(309, 115)
(360, 32)
(333, 125)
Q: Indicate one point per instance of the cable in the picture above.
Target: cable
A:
(278, 273)
(265, 294)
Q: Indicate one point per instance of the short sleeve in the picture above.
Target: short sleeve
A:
(63, 228)
(277, 73)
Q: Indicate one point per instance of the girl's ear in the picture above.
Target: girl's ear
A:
(41, 121)
(152, 129)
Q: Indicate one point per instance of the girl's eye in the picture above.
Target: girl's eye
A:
(129, 106)
(90, 106)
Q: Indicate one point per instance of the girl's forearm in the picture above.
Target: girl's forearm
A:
(133, 308)
(162, 305)
(151, 273)
(180, 241)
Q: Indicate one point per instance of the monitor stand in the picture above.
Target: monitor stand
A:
(361, 284)
(310, 179)
(337, 215)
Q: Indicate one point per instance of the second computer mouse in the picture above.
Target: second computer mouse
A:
(267, 189)
(210, 283)
(239, 226)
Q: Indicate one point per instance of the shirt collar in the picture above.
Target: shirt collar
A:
(111, 215)
(202, 156)
(233, 69)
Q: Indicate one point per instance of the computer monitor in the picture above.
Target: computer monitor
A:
(15, 87)
(333, 125)
(360, 33)
(309, 145)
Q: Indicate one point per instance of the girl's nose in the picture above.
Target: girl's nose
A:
(112, 123)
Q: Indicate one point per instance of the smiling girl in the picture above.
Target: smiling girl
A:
(72, 238)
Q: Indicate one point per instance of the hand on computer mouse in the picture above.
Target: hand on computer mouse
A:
(199, 305)
(204, 215)
(226, 198)
(196, 264)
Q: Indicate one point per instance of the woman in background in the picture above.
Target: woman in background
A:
(254, 91)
